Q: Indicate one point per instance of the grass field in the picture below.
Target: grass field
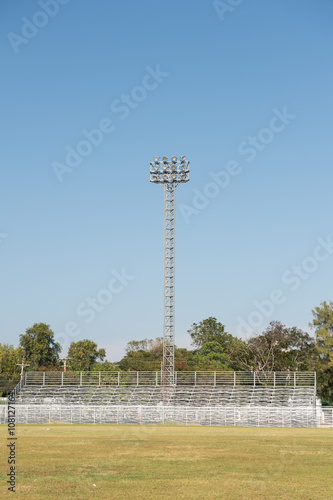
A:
(159, 462)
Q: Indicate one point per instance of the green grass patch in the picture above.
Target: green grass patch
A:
(156, 462)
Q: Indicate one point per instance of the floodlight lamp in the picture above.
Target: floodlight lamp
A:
(156, 167)
(183, 158)
(174, 158)
(156, 178)
(156, 158)
(166, 177)
(183, 176)
(165, 158)
(173, 177)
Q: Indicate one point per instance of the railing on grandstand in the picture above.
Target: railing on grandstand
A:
(272, 379)
(16, 389)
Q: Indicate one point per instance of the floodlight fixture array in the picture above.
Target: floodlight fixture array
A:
(169, 171)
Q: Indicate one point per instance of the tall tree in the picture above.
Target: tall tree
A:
(9, 371)
(278, 348)
(211, 356)
(39, 346)
(84, 354)
(216, 347)
(152, 345)
(322, 323)
(209, 330)
(9, 357)
(145, 355)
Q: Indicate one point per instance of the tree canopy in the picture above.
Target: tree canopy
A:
(209, 330)
(9, 370)
(39, 346)
(322, 323)
(278, 348)
(84, 354)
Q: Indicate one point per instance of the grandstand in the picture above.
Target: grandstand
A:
(213, 398)
(199, 389)
(175, 396)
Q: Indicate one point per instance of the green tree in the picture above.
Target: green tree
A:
(105, 366)
(184, 359)
(147, 355)
(209, 330)
(300, 352)
(278, 348)
(39, 346)
(84, 354)
(211, 356)
(9, 357)
(322, 323)
(143, 355)
(9, 371)
(207, 334)
(138, 345)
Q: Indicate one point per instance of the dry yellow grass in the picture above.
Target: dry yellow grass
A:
(155, 462)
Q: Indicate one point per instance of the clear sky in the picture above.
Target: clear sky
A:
(91, 91)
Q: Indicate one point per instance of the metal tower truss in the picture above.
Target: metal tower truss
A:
(171, 173)
(169, 285)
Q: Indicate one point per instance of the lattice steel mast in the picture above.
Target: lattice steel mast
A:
(171, 174)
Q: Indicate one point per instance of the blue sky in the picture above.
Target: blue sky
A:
(91, 91)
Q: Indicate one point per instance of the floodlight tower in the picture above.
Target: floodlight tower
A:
(170, 173)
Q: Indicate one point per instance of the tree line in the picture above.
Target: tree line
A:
(277, 348)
